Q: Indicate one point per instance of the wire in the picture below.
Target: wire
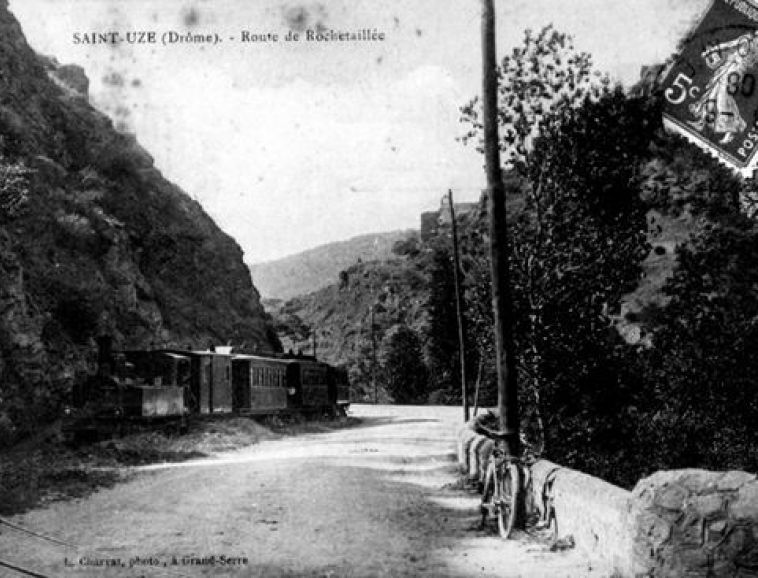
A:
(79, 549)
(21, 570)
(36, 534)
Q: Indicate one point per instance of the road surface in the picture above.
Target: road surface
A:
(379, 499)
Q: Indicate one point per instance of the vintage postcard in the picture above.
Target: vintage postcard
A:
(378, 288)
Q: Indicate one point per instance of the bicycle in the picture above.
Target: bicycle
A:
(503, 485)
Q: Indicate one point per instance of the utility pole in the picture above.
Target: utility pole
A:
(459, 307)
(501, 298)
(373, 353)
(373, 339)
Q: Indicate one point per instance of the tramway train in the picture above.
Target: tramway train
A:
(166, 386)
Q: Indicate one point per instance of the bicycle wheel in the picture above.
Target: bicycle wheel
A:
(488, 493)
(506, 499)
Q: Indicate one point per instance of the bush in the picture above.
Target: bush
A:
(14, 188)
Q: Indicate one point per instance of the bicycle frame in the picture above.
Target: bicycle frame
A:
(502, 491)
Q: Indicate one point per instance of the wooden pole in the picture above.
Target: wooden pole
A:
(373, 340)
(478, 384)
(501, 299)
(459, 308)
(373, 354)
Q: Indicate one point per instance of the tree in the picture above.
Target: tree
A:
(361, 372)
(543, 76)
(699, 404)
(577, 251)
(574, 148)
(290, 329)
(408, 247)
(402, 366)
(441, 335)
(344, 278)
(537, 82)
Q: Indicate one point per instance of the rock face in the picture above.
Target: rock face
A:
(94, 240)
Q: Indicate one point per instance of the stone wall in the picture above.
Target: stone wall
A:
(696, 523)
(587, 510)
(691, 523)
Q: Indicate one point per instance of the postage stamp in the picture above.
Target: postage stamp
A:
(711, 95)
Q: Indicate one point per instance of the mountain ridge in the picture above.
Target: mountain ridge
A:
(318, 267)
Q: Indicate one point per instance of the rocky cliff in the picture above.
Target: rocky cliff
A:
(94, 240)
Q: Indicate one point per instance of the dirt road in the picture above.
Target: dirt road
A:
(374, 500)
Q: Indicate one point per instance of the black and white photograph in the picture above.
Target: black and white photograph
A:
(378, 288)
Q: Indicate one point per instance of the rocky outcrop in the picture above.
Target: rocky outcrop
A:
(94, 240)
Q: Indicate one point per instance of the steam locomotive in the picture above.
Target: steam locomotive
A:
(164, 387)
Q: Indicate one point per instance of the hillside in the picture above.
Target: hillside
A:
(677, 187)
(341, 313)
(315, 268)
(94, 240)
(351, 321)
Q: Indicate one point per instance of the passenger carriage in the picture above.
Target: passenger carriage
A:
(155, 385)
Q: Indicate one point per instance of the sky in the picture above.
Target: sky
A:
(289, 145)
